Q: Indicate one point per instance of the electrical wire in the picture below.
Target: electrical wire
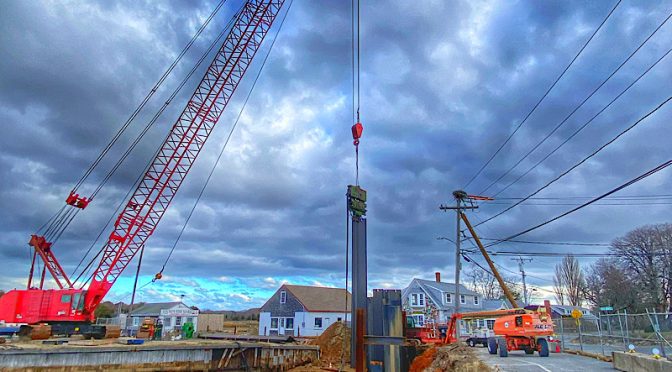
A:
(149, 95)
(588, 97)
(612, 191)
(578, 130)
(534, 108)
(614, 139)
(552, 243)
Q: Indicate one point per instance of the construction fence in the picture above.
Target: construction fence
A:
(602, 334)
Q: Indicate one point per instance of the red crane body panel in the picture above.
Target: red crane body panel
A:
(43, 305)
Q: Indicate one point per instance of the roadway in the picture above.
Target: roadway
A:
(518, 361)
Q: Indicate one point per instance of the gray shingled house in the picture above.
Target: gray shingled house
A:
(298, 310)
(433, 299)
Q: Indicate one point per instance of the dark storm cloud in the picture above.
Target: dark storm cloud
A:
(443, 84)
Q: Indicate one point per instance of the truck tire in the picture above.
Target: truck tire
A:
(492, 345)
(471, 342)
(529, 350)
(543, 347)
(501, 344)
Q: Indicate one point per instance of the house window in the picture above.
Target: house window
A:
(449, 298)
(318, 322)
(178, 321)
(274, 323)
(417, 299)
(419, 320)
(339, 319)
(136, 321)
(490, 323)
(168, 322)
(463, 299)
(190, 319)
(283, 297)
(475, 300)
(282, 322)
(289, 323)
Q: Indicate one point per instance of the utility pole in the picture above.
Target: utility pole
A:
(521, 267)
(460, 197)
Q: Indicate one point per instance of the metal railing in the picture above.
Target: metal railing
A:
(605, 333)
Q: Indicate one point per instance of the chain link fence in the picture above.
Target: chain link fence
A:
(605, 333)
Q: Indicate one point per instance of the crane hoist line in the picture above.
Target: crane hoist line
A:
(68, 309)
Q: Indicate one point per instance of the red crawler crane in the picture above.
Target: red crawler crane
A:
(68, 309)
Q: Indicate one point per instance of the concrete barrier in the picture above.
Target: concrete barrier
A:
(638, 362)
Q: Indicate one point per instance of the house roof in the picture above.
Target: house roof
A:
(436, 289)
(154, 307)
(445, 287)
(495, 304)
(321, 299)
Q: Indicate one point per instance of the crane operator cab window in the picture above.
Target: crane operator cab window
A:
(519, 321)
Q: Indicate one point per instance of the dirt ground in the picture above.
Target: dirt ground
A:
(458, 358)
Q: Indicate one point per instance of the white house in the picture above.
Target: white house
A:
(296, 310)
(171, 314)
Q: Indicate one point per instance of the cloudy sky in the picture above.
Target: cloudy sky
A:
(443, 83)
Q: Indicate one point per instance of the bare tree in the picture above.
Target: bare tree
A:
(487, 285)
(569, 281)
(607, 284)
(646, 255)
(558, 286)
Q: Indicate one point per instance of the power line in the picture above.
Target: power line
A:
(579, 129)
(552, 243)
(623, 197)
(621, 187)
(626, 130)
(534, 108)
(570, 204)
(588, 97)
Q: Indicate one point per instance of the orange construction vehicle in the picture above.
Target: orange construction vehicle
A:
(515, 329)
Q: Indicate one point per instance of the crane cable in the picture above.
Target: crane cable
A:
(149, 95)
(356, 130)
(133, 186)
(221, 152)
(614, 139)
(534, 108)
(56, 224)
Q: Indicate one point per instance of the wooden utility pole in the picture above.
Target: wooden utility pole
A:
(494, 270)
(460, 197)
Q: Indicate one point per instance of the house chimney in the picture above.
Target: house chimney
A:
(438, 277)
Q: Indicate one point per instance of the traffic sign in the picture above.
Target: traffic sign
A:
(576, 314)
(606, 308)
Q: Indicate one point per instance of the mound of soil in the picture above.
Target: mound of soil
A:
(448, 358)
(331, 343)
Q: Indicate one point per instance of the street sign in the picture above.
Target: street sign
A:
(576, 314)
(606, 308)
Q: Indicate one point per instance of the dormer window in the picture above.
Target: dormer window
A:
(283, 297)
(417, 299)
(449, 298)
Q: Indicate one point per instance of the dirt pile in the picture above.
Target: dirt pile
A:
(447, 359)
(331, 343)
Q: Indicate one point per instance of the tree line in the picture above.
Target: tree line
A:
(636, 276)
